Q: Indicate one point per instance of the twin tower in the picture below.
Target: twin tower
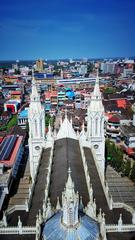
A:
(95, 128)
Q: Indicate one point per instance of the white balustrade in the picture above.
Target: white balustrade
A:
(124, 228)
(15, 230)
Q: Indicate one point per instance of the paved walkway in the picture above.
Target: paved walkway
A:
(121, 188)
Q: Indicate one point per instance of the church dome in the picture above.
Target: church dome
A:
(86, 229)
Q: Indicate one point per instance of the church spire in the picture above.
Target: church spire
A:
(96, 93)
(70, 202)
(34, 95)
(96, 104)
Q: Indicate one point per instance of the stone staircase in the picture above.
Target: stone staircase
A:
(22, 192)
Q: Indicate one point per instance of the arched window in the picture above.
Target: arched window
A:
(41, 132)
(36, 129)
(96, 126)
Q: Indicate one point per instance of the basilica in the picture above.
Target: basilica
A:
(69, 195)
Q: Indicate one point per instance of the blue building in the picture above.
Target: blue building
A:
(23, 118)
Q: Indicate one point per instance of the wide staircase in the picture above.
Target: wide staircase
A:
(20, 191)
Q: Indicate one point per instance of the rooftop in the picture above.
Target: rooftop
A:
(87, 229)
(114, 119)
(9, 148)
(23, 113)
(16, 93)
(128, 130)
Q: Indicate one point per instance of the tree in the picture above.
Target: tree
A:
(110, 90)
(119, 159)
(49, 119)
(90, 67)
(127, 168)
(12, 122)
(114, 156)
(132, 175)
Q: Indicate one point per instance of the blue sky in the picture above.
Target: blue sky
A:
(51, 29)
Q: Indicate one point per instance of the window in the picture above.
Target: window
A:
(96, 126)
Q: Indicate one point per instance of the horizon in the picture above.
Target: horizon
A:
(74, 59)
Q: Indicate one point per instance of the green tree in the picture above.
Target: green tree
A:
(49, 119)
(127, 168)
(132, 175)
(12, 122)
(90, 67)
(114, 156)
(110, 90)
(119, 159)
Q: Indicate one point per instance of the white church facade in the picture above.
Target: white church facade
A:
(94, 137)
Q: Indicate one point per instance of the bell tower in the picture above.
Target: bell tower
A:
(36, 120)
(95, 126)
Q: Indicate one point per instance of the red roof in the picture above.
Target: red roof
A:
(16, 93)
(51, 94)
(11, 77)
(114, 119)
(122, 103)
(1, 139)
(10, 162)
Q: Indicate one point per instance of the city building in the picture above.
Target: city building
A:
(108, 67)
(12, 106)
(11, 152)
(69, 195)
(22, 118)
(128, 136)
(113, 127)
(16, 95)
(39, 65)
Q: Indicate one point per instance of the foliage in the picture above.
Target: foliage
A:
(127, 168)
(12, 122)
(49, 119)
(114, 156)
(110, 90)
(90, 67)
(132, 175)
(17, 71)
(3, 128)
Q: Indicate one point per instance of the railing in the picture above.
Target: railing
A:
(120, 228)
(48, 174)
(15, 208)
(33, 184)
(2, 199)
(18, 230)
(87, 176)
(123, 205)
